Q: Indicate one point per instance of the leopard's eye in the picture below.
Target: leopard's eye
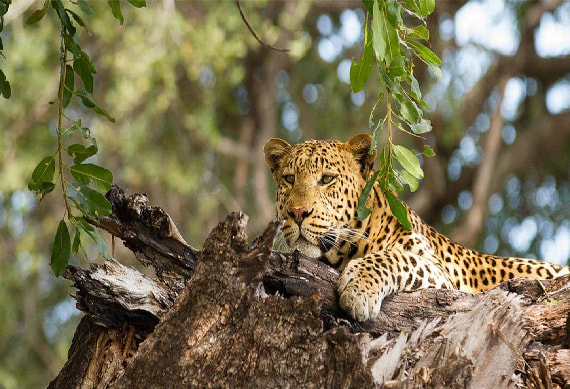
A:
(327, 178)
(289, 178)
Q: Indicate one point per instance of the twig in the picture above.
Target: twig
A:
(262, 43)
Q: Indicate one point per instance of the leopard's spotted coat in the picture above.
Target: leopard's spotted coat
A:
(318, 186)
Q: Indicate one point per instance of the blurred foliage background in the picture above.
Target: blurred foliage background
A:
(195, 97)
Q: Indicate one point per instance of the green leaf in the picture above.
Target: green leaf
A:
(399, 210)
(407, 179)
(76, 242)
(61, 249)
(425, 53)
(72, 46)
(391, 183)
(37, 15)
(415, 88)
(82, 224)
(77, 18)
(89, 230)
(428, 152)
(89, 63)
(116, 10)
(81, 67)
(138, 3)
(415, 91)
(85, 7)
(408, 160)
(86, 132)
(87, 101)
(394, 86)
(85, 97)
(378, 37)
(422, 7)
(426, 7)
(68, 86)
(394, 12)
(45, 188)
(427, 56)
(360, 72)
(5, 89)
(67, 132)
(91, 202)
(422, 127)
(395, 183)
(65, 21)
(363, 211)
(80, 153)
(43, 172)
(385, 38)
(393, 44)
(385, 164)
(373, 143)
(103, 112)
(368, 4)
(409, 110)
(418, 32)
(397, 67)
(101, 178)
(102, 245)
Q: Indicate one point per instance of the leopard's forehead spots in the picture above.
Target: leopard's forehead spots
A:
(314, 156)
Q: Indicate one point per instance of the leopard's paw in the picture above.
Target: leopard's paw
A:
(358, 298)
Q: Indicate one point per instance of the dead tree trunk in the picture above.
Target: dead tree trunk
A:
(239, 315)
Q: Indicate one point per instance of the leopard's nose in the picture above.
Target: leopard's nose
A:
(299, 214)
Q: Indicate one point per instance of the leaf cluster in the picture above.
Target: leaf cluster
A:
(83, 197)
(393, 45)
(83, 184)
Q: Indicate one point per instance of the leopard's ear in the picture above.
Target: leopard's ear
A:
(359, 145)
(274, 150)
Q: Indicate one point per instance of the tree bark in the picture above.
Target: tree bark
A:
(237, 314)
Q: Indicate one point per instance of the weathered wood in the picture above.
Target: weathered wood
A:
(116, 296)
(151, 235)
(83, 347)
(250, 317)
(559, 363)
(224, 331)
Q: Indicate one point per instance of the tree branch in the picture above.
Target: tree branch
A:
(252, 317)
(539, 143)
(468, 231)
(262, 43)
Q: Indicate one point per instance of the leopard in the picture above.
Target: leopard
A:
(319, 183)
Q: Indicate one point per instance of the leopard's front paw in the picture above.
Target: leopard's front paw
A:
(358, 298)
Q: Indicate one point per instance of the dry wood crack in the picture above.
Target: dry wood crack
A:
(236, 314)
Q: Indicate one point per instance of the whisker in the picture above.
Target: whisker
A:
(330, 240)
(347, 233)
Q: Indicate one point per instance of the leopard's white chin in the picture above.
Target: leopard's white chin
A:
(307, 248)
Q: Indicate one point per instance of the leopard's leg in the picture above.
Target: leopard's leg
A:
(366, 281)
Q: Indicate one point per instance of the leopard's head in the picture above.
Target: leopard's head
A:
(318, 185)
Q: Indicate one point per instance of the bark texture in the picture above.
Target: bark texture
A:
(236, 314)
